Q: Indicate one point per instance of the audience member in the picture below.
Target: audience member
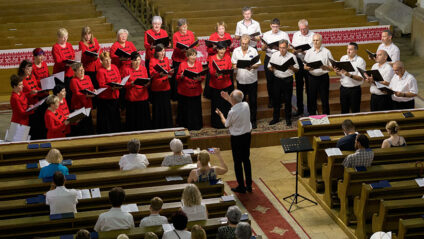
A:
(179, 220)
(115, 218)
(394, 140)
(243, 231)
(154, 219)
(348, 141)
(363, 155)
(192, 204)
(133, 160)
(197, 232)
(122, 236)
(178, 157)
(83, 234)
(54, 158)
(150, 235)
(59, 198)
(205, 172)
(229, 231)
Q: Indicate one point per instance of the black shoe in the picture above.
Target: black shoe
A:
(288, 123)
(254, 126)
(274, 121)
(249, 189)
(238, 190)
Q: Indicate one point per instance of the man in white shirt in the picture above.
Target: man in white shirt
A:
(404, 86)
(381, 100)
(283, 81)
(240, 129)
(388, 45)
(272, 36)
(350, 82)
(248, 26)
(59, 198)
(247, 78)
(115, 218)
(301, 37)
(133, 160)
(319, 80)
(154, 219)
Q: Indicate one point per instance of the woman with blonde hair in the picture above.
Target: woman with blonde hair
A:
(197, 232)
(89, 61)
(192, 204)
(394, 140)
(54, 158)
(205, 172)
(178, 157)
(220, 36)
(56, 122)
(123, 44)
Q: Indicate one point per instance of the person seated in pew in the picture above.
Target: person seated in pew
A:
(115, 218)
(178, 157)
(229, 231)
(122, 236)
(59, 198)
(192, 204)
(205, 172)
(154, 219)
(179, 220)
(395, 140)
(243, 231)
(150, 235)
(83, 234)
(363, 155)
(56, 123)
(348, 141)
(197, 232)
(54, 158)
(133, 160)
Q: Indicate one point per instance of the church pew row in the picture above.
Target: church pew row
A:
(97, 146)
(362, 122)
(104, 180)
(35, 44)
(23, 3)
(391, 211)
(333, 170)
(365, 205)
(168, 193)
(80, 165)
(318, 157)
(352, 182)
(42, 225)
(52, 8)
(53, 24)
(51, 16)
(411, 228)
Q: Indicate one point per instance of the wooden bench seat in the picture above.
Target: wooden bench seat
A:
(51, 16)
(168, 193)
(352, 182)
(23, 3)
(411, 228)
(43, 226)
(55, 23)
(49, 43)
(52, 8)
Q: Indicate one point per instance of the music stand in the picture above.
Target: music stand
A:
(296, 145)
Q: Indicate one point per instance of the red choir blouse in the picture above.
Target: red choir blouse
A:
(63, 108)
(40, 72)
(216, 37)
(150, 52)
(105, 76)
(222, 81)
(135, 92)
(55, 125)
(19, 104)
(60, 55)
(159, 83)
(79, 99)
(129, 48)
(90, 63)
(30, 84)
(186, 39)
(187, 86)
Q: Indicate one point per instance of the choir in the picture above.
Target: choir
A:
(117, 80)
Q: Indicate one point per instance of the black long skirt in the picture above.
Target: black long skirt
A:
(38, 128)
(137, 115)
(190, 112)
(217, 102)
(108, 116)
(84, 127)
(161, 109)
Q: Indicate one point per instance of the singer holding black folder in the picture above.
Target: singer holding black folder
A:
(137, 114)
(90, 51)
(39, 66)
(19, 102)
(156, 32)
(248, 26)
(190, 92)
(124, 45)
(220, 36)
(56, 122)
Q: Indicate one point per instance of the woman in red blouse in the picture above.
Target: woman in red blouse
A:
(189, 93)
(156, 32)
(39, 68)
(60, 91)
(124, 45)
(220, 35)
(56, 122)
(136, 96)
(79, 99)
(219, 82)
(108, 113)
(91, 63)
(160, 89)
(19, 102)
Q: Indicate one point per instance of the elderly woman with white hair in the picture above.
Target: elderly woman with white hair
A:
(243, 231)
(123, 44)
(157, 33)
(229, 231)
(178, 157)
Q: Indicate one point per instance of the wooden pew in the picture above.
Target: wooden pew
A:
(103, 180)
(365, 205)
(74, 31)
(97, 146)
(391, 211)
(411, 228)
(56, 23)
(168, 193)
(51, 16)
(352, 182)
(43, 226)
(318, 157)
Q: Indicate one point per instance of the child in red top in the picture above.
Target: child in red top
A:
(19, 102)
(61, 52)
(156, 32)
(56, 123)
(91, 63)
(39, 68)
(220, 35)
(124, 45)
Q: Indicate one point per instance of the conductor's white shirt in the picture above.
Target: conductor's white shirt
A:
(238, 119)
(62, 200)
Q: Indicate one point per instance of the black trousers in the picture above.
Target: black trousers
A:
(190, 112)
(284, 87)
(301, 78)
(108, 116)
(93, 78)
(350, 99)
(218, 102)
(319, 85)
(147, 65)
(137, 115)
(38, 128)
(269, 78)
(250, 91)
(381, 102)
(403, 105)
(173, 81)
(240, 146)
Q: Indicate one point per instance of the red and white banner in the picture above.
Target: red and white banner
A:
(331, 37)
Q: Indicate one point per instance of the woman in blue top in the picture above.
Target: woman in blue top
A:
(205, 172)
(54, 158)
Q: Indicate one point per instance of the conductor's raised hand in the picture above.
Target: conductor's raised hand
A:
(225, 95)
(218, 112)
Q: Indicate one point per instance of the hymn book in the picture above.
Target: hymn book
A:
(303, 47)
(192, 75)
(120, 85)
(333, 152)
(255, 34)
(49, 83)
(95, 92)
(70, 61)
(315, 64)
(374, 133)
(374, 73)
(186, 47)
(129, 207)
(374, 55)
(222, 71)
(271, 45)
(248, 63)
(17, 132)
(79, 114)
(91, 53)
(36, 105)
(384, 88)
(141, 81)
(285, 66)
(160, 69)
(210, 43)
(155, 41)
(121, 53)
(342, 65)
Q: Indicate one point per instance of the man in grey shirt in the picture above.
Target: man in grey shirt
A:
(154, 219)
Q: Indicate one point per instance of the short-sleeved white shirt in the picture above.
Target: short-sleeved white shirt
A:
(271, 37)
(114, 219)
(245, 76)
(242, 29)
(386, 71)
(392, 50)
(300, 39)
(278, 59)
(62, 200)
(133, 161)
(238, 119)
(357, 62)
(406, 84)
(323, 54)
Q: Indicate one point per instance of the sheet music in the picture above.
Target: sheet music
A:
(223, 220)
(228, 198)
(319, 120)
(100, 90)
(188, 151)
(47, 83)
(174, 178)
(124, 80)
(83, 194)
(375, 133)
(43, 163)
(60, 76)
(37, 104)
(129, 208)
(95, 193)
(333, 152)
(167, 227)
(17, 132)
(420, 182)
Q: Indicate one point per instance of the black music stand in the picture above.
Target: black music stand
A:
(296, 145)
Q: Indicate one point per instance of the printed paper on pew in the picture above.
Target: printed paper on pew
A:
(167, 227)
(95, 193)
(420, 182)
(43, 163)
(188, 151)
(375, 133)
(174, 178)
(333, 152)
(228, 198)
(223, 220)
(319, 119)
(129, 207)
(83, 194)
